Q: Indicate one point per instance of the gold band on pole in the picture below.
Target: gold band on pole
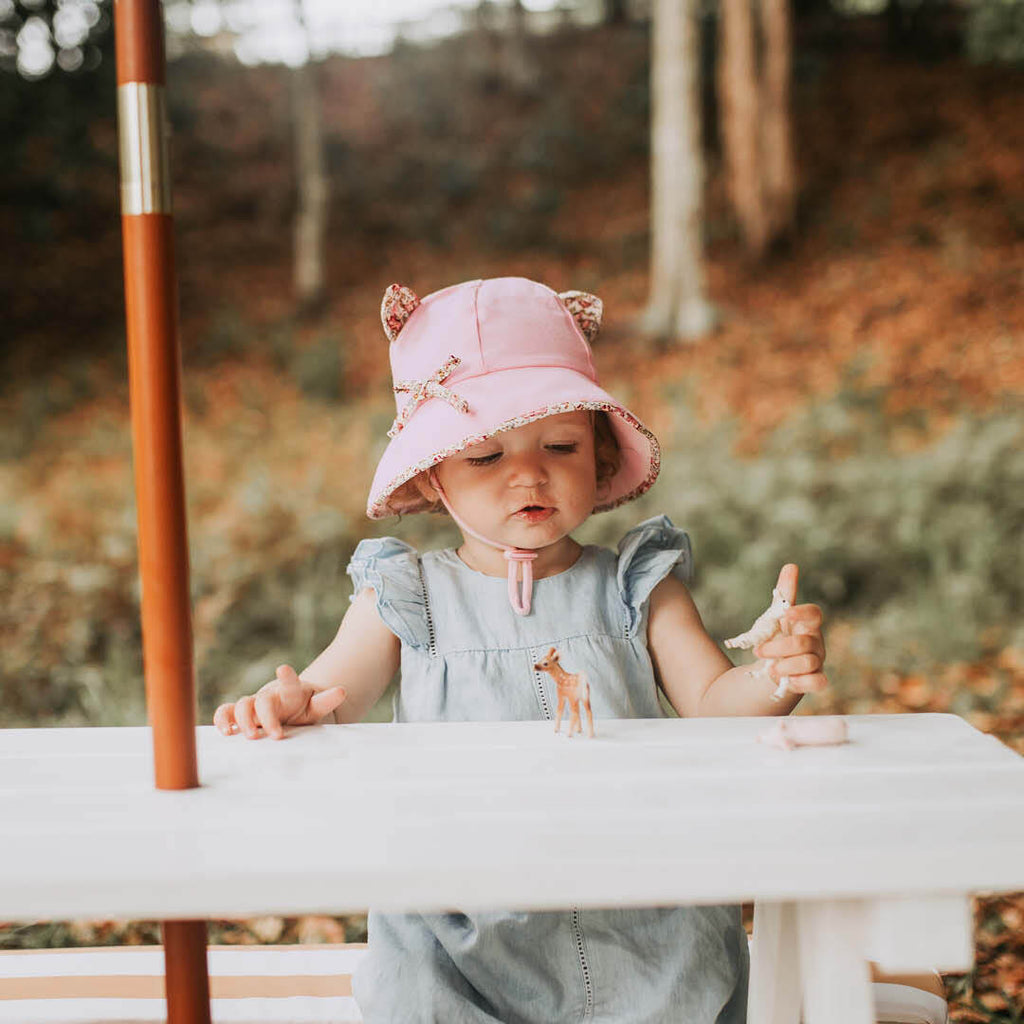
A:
(143, 129)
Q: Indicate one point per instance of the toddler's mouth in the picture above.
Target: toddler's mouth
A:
(534, 513)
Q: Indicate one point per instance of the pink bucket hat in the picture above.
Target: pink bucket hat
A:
(481, 357)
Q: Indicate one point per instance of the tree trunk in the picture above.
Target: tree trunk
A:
(738, 107)
(311, 179)
(616, 12)
(677, 306)
(776, 139)
(311, 182)
(519, 66)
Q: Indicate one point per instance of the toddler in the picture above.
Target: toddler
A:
(501, 422)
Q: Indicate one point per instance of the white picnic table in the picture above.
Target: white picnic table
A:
(871, 849)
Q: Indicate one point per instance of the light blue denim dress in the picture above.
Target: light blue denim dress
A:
(466, 656)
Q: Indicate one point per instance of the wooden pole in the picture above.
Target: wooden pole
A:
(154, 372)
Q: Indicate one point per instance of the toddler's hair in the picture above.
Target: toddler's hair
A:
(407, 499)
(607, 453)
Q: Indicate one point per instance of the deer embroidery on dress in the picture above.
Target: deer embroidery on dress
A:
(572, 690)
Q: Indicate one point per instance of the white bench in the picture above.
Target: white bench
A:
(252, 985)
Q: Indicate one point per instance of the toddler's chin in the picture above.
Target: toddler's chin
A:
(536, 538)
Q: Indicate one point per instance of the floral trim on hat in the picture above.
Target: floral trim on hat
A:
(380, 510)
(399, 303)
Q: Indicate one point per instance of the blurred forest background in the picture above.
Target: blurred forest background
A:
(849, 399)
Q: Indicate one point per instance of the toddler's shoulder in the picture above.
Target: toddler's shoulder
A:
(383, 549)
(378, 558)
(655, 542)
(390, 567)
(646, 555)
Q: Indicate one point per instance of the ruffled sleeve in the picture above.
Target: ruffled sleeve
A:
(647, 554)
(391, 568)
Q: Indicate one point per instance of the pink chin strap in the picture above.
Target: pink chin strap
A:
(520, 594)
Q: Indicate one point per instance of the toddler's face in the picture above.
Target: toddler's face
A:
(527, 487)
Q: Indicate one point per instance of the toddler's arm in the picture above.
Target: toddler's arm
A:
(345, 679)
(698, 678)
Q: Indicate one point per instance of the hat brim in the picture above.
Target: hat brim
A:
(437, 430)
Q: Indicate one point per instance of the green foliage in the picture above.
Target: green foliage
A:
(75, 658)
(923, 549)
(524, 223)
(919, 549)
(283, 613)
(227, 335)
(40, 399)
(68, 934)
(995, 32)
(318, 367)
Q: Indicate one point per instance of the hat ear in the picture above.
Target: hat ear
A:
(399, 303)
(586, 310)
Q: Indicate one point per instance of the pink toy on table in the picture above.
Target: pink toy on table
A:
(787, 733)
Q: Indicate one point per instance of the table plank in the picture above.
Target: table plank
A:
(338, 818)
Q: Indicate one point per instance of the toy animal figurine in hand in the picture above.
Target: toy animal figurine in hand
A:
(767, 625)
(572, 690)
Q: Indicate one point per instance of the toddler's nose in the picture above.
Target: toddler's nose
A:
(526, 471)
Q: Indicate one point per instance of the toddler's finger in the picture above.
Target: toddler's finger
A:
(815, 682)
(799, 665)
(788, 576)
(245, 717)
(804, 618)
(323, 702)
(287, 675)
(786, 646)
(224, 719)
(266, 711)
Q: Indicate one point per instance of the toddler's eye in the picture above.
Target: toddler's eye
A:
(483, 460)
(564, 449)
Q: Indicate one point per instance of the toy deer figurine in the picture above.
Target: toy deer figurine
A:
(571, 689)
(767, 625)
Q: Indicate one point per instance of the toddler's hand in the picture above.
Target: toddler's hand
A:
(286, 700)
(800, 647)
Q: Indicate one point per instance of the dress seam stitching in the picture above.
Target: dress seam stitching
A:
(539, 688)
(581, 953)
(531, 647)
(431, 635)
